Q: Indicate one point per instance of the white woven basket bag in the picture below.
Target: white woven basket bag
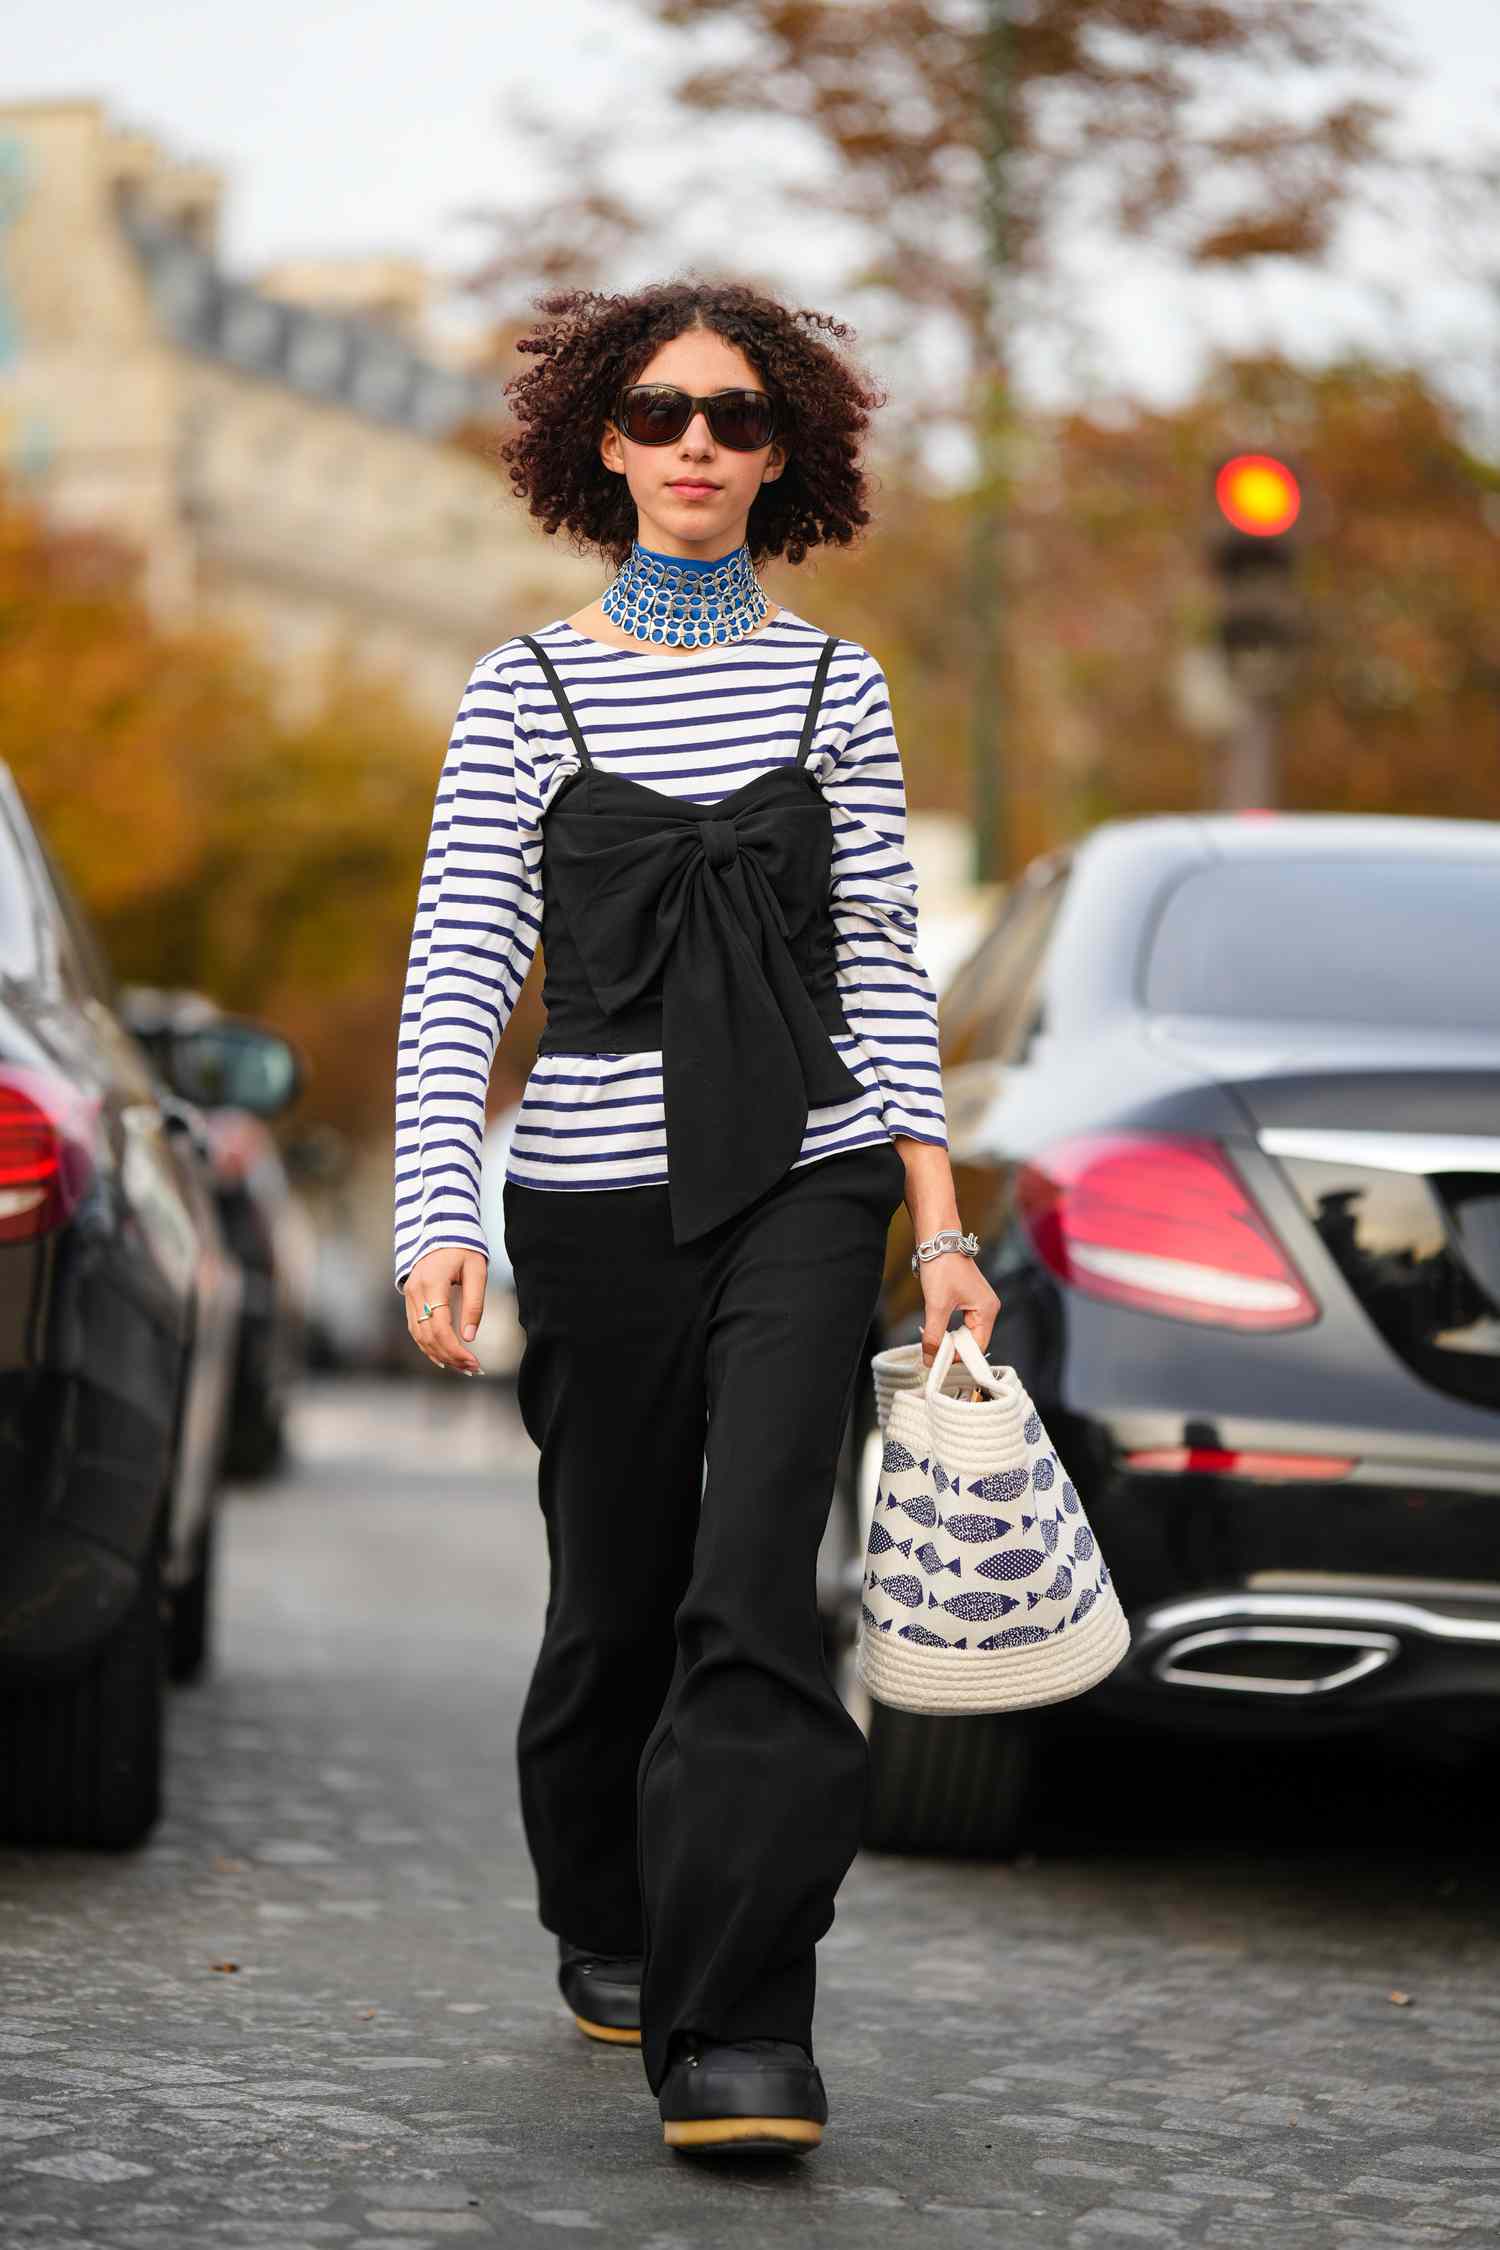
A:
(984, 1587)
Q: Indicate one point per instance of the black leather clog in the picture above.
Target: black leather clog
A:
(752, 2095)
(604, 1992)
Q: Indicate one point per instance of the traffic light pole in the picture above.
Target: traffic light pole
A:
(1248, 774)
(987, 571)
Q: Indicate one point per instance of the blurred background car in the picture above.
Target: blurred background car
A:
(355, 1319)
(1224, 1097)
(264, 1219)
(120, 1308)
(501, 1339)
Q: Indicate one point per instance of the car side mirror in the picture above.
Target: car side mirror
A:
(232, 1065)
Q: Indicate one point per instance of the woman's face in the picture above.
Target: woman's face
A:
(693, 496)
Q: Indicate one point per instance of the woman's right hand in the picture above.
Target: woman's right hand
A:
(431, 1282)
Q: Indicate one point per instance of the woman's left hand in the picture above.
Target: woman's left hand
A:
(950, 1283)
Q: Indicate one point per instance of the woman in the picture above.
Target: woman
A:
(695, 799)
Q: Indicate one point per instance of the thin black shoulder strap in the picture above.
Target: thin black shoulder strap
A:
(825, 658)
(566, 708)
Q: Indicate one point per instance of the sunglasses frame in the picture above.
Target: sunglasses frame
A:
(735, 390)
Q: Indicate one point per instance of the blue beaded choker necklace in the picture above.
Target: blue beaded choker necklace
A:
(680, 601)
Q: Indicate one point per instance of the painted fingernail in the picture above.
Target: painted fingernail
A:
(469, 1332)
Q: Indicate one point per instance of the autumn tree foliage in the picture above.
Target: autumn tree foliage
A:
(1168, 117)
(944, 140)
(1395, 705)
(216, 844)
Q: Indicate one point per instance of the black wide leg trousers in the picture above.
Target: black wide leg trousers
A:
(691, 1785)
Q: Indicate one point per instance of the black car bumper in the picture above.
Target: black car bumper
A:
(1271, 1607)
(1334, 1657)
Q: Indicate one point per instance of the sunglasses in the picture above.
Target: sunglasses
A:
(658, 413)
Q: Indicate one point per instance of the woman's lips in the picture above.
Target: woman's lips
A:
(691, 487)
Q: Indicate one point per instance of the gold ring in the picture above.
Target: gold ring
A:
(427, 1311)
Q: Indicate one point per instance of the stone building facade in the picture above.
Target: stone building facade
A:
(278, 451)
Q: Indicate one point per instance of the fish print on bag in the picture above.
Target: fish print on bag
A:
(1069, 1497)
(1042, 1473)
(924, 1638)
(974, 1607)
(1083, 1545)
(1061, 1586)
(905, 1589)
(1016, 1636)
(921, 1510)
(881, 1542)
(1031, 1430)
(1012, 1562)
(976, 1529)
(895, 1457)
(932, 1562)
(1083, 1605)
(1005, 1484)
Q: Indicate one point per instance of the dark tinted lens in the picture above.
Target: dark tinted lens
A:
(742, 420)
(654, 414)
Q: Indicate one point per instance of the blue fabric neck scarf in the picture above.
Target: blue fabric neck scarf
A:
(683, 601)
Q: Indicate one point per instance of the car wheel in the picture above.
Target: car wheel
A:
(190, 1631)
(965, 1786)
(256, 1446)
(962, 1786)
(842, 1550)
(81, 1759)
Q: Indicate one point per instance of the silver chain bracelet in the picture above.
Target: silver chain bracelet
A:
(936, 1244)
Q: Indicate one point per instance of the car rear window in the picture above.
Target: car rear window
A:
(1338, 941)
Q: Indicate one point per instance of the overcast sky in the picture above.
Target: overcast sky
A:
(370, 124)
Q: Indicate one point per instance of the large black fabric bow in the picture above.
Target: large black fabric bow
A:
(710, 902)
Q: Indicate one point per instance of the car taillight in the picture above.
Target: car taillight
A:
(1261, 1468)
(1162, 1222)
(46, 1152)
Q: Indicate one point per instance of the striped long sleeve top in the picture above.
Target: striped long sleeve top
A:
(696, 726)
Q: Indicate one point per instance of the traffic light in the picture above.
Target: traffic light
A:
(1253, 550)
(1258, 495)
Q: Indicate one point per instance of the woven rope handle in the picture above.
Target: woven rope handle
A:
(961, 1340)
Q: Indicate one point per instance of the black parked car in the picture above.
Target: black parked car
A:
(1224, 1098)
(119, 1311)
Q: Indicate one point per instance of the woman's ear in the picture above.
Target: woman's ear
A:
(610, 452)
(775, 463)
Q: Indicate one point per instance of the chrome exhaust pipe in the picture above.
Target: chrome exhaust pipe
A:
(1347, 1656)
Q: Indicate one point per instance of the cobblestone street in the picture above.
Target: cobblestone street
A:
(318, 2009)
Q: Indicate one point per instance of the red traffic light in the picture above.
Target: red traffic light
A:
(1258, 495)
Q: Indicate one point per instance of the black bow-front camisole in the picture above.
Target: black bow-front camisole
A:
(704, 931)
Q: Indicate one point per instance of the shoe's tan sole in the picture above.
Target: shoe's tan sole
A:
(740, 2132)
(607, 2031)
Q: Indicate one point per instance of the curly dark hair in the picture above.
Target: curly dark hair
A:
(592, 345)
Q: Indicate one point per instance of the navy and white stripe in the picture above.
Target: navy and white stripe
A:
(695, 726)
